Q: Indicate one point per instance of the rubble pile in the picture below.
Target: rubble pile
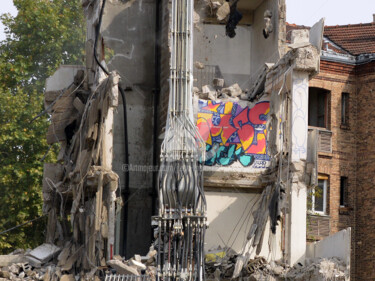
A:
(319, 269)
(220, 265)
(136, 266)
(233, 93)
(44, 263)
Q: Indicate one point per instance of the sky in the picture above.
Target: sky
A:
(303, 12)
(341, 12)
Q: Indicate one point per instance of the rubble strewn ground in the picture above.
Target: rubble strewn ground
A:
(220, 265)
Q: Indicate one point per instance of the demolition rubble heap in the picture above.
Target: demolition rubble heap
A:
(220, 265)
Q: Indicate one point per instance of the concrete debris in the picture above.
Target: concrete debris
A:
(196, 20)
(223, 12)
(42, 254)
(122, 268)
(216, 4)
(232, 91)
(220, 265)
(199, 65)
(135, 266)
(82, 179)
(56, 268)
(6, 260)
(218, 82)
(231, 94)
(300, 36)
(319, 269)
(67, 277)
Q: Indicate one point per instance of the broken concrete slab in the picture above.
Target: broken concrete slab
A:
(223, 11)
(138, 264)
(218, 82)
(6, 260)
(122, 268)
(42, 254)
(300, 36)
(199, 65)
(5, 274)
(67, 277)
(63, 77)
(233, 91)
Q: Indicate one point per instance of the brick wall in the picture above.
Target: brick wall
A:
(338, 78)
(353, 156)
(365, 195)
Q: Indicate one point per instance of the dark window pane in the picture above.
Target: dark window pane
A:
(343, 191)
(344, 108)
(317, 107)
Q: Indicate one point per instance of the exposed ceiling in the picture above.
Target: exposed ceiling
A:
(248, 4)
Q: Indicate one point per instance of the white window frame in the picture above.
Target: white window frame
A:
(312, 210)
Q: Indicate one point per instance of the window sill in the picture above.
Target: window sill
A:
(344, 210)
(345, 127)
(325, 154)
(316, 214)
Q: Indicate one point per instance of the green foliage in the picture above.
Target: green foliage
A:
(44, 35)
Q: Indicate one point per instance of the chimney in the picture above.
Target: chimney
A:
(373, 17)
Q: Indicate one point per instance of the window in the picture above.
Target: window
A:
(318, 107)
(345, 109)
(317, 197)
(343, 191)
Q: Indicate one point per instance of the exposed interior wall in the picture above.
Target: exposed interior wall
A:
(235, 135)
(128, 31)
(267, 50)
(229, 217)
(232, 56)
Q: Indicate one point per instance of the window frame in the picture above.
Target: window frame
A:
(326, 118)
(325, 195)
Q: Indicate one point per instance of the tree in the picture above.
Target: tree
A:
(44, 35)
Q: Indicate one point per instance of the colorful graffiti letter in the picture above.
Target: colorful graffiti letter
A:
(233, 133)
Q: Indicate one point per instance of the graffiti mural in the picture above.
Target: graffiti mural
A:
(233, 133)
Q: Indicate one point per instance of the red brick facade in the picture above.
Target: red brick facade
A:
(353, 157)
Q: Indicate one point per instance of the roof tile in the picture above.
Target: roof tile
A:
(356, 39)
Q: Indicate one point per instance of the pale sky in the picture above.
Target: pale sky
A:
(303, 12)
(6, 6)
(341, 12)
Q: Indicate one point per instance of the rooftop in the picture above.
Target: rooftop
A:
(356, 39)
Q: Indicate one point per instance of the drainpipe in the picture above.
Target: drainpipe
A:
(156, 93)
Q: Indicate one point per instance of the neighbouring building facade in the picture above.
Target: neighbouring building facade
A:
(341, 111)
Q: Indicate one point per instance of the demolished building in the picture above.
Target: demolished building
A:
(250, 105)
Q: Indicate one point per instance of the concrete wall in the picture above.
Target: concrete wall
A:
(337, 245)
(265, 50)
(235, 134)
(128, 30)
(230, 216)
(232, 56)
